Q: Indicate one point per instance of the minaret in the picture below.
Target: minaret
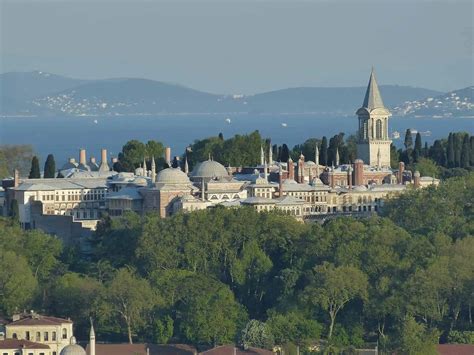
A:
(373, 127)
(280, 180)
(270, 154)
(92, 340)
(337, 156)
(144, 166)
(186, 166)
(265, 172)
(153, 169)
(262, 156)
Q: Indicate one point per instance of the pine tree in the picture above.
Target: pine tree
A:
(450, 151)
(35, 169)
(323, 155)
(49, 167)
(408, 140)
(465, 152)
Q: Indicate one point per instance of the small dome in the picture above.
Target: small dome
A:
(140, 181)
(210, 169)
(73, 348)
(172, 176)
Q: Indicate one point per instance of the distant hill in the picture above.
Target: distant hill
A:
(39, 93)
(458, 103)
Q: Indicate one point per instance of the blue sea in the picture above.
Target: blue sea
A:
(64, 136)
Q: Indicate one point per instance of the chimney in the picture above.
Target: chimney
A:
(401, 170)
(280, 181)
(416, 179)
(104, 166)
(16, 178)
(291, 169)
(82, 157)
(358, 172)
(168, 155)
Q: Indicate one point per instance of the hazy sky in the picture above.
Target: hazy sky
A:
(244, 46)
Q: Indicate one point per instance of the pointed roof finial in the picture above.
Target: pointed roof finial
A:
(372, 99)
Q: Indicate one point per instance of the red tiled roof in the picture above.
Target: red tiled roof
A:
(231, 350)
(141, 349)
(455, 349)
(19, 344)
(39, 320)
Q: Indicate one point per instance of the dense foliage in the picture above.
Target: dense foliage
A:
(15, 157)
(405, 279)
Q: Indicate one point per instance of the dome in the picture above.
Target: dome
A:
(172, 176)
(140, 181)
(73, 348)
(210, 169)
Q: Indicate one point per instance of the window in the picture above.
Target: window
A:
(378, 129)
(46, 336)
(64, 333)
(14, 336)
(53, 336)
(38, 336)
(27, 335)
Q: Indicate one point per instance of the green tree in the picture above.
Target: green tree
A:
(416, 339)
(408, 142)
(323, 158)
(49, 167)
(16, 156)
(417, 151)
(126, 299)
(17, 283)
(35, 170)
(75, 296)
(285, 153)
(450, 151)
(437, 153)
(394, 156)
(293, 327)
(256, 334)
(465, 152)
(14, 210)
(333, 287)
(427, 167)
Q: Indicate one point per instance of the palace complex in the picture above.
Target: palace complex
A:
(71, 207)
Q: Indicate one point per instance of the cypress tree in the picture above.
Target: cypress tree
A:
(221, 136)
(457, 149)
(323, 155)
(417, 151)
(450, 151)
(408, 139)
(465, 152)
(285, 153)
(49, 167)
(426, 150)
(35, 169)
(14, 210)
(437, 153)
(175, 163)
(472, 150)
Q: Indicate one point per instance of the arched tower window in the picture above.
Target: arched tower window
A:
(378, 129)
(365, 130)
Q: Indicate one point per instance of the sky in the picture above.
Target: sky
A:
(245, 46)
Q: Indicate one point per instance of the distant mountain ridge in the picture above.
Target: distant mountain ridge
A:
(40, 94)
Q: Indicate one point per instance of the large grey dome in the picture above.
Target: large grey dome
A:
(210, 169)
(172, 176)
(73, 348)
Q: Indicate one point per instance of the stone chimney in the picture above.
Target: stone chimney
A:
(280, 181)
(168, 155)
(349, 176)
(291, 169)
(82, 157)
(104, 166)
(401, 170)
(416, 179)
(16, 178)
(358, 172)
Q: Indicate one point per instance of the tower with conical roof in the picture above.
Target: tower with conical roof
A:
(373, 127)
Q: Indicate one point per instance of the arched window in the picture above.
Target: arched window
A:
(378, 129)
(64, 333)
(365, 130)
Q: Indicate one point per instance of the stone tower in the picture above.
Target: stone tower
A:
(373, 134)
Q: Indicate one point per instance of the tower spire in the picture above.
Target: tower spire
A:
(337, 156)
(270, 154)
(262, 155)
(153, 169)
(372, 99)
(92, 339)
(316, 160)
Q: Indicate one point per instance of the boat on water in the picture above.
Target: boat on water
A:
(425, 133)
(395, 135)
(284, 124)
(228, 120)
